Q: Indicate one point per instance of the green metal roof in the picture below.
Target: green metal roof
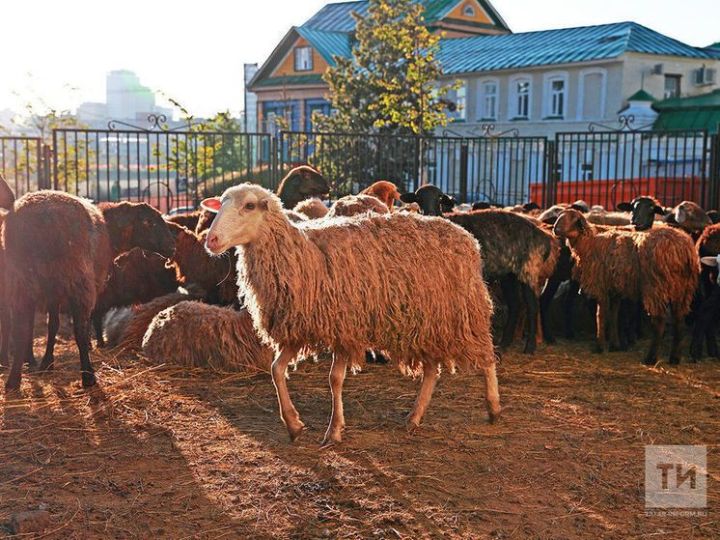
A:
(564, 46)
(290, 80)
(338, 17)
(328, 44)
(642, 95)
(688, 113)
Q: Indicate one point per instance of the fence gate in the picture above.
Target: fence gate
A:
(608, 167)
(168, 169)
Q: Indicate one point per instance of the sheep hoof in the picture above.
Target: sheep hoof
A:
(47, 364)
(331, 440)
(650, 361)
(88, 379)
(674, 360)
(598, 349)
(295, 431)
(412, 426)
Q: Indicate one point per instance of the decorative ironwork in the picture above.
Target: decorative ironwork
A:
(625, 123)
(156, 122)
(484, 130)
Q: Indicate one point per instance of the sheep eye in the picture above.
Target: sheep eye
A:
(250, 206)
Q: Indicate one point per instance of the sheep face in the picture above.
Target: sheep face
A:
(643, 212)
(139, 225)
(570, 224)
(241, 212)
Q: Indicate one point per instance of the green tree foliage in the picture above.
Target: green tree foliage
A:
(391, 84)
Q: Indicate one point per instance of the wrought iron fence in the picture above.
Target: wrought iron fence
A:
(169, 169)
(175, 169)
(499, 170)
(23, 163)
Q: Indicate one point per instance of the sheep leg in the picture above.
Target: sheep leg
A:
(613, 322)
(5, 323)
(569, 308)
(53, 327)
(97, 320)
(508, 285)
(21, 335)
(601, 315)
(546, 299)
(430, 376)
(492, 394)
(677, 322)
(81, 329)
(532, 303)
(658, 329)
(333, 435)
(288, 412)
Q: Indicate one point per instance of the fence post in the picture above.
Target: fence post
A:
(44, 168)
(550, 174)
(463, 171)
(55, 181)
(714, 195)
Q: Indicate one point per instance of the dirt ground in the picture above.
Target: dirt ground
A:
(157, 453)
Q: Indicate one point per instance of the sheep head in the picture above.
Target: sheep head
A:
(301, 183)
(643, 211)
(570, 224)
(241, 212)
(7, 197)
(432, 201)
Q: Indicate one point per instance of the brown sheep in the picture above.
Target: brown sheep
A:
(189, 220)
(427, 307)
(59, 249)
(311, 208)
(385, 191)
(659, 267)
(217, 276)
(301, 183)
(179, 335)
(352, 205)
(136, 276)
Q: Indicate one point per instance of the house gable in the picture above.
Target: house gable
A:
(471, 17)
(286, 65)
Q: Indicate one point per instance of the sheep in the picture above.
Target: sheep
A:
(608, 218)
(136, 276)
(59, 249)
(189, 220)
(301, 183)
(309, 288)
(708, 248)
(513, 249)
(204, 221)
(658, 267)
(125, 327)
(192, 264)
(311, 208)
(352, 205)
(236, 346)
(385, 191)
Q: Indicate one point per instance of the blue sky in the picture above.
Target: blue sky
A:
(59, 52)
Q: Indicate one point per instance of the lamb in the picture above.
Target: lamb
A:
(59, 249)
(237, 347)
(311, 208)
(352, 205)
(301, 183)
(309, 288)
(136, 276)
(708, 248)
(385, 191)
(658, 267)
(513, 249)
(192, 264)
(189, 220)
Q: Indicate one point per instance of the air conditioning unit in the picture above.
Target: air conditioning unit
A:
(657, 69)
(705, 76)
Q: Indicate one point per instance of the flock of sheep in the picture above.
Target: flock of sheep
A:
(260, 280)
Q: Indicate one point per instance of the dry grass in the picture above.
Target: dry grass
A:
(155, 452)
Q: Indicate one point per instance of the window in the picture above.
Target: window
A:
(488, 106)
(303, 59)
(555, 98)
(520, 99)
(672, 86)
(460, 102)
(591, 94)
(468, 10)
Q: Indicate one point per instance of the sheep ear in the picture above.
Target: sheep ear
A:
(212, 204)
(624, 207)
(659, 210)
(680, 214)
(577, 207)
(709, 261)
(409, 197)
(529, 207)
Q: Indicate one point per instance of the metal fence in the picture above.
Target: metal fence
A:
(174, 170)
(498, 170)
(168, 169)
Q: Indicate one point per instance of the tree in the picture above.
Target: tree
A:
(392, 82)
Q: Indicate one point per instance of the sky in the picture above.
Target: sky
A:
(58, 52)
